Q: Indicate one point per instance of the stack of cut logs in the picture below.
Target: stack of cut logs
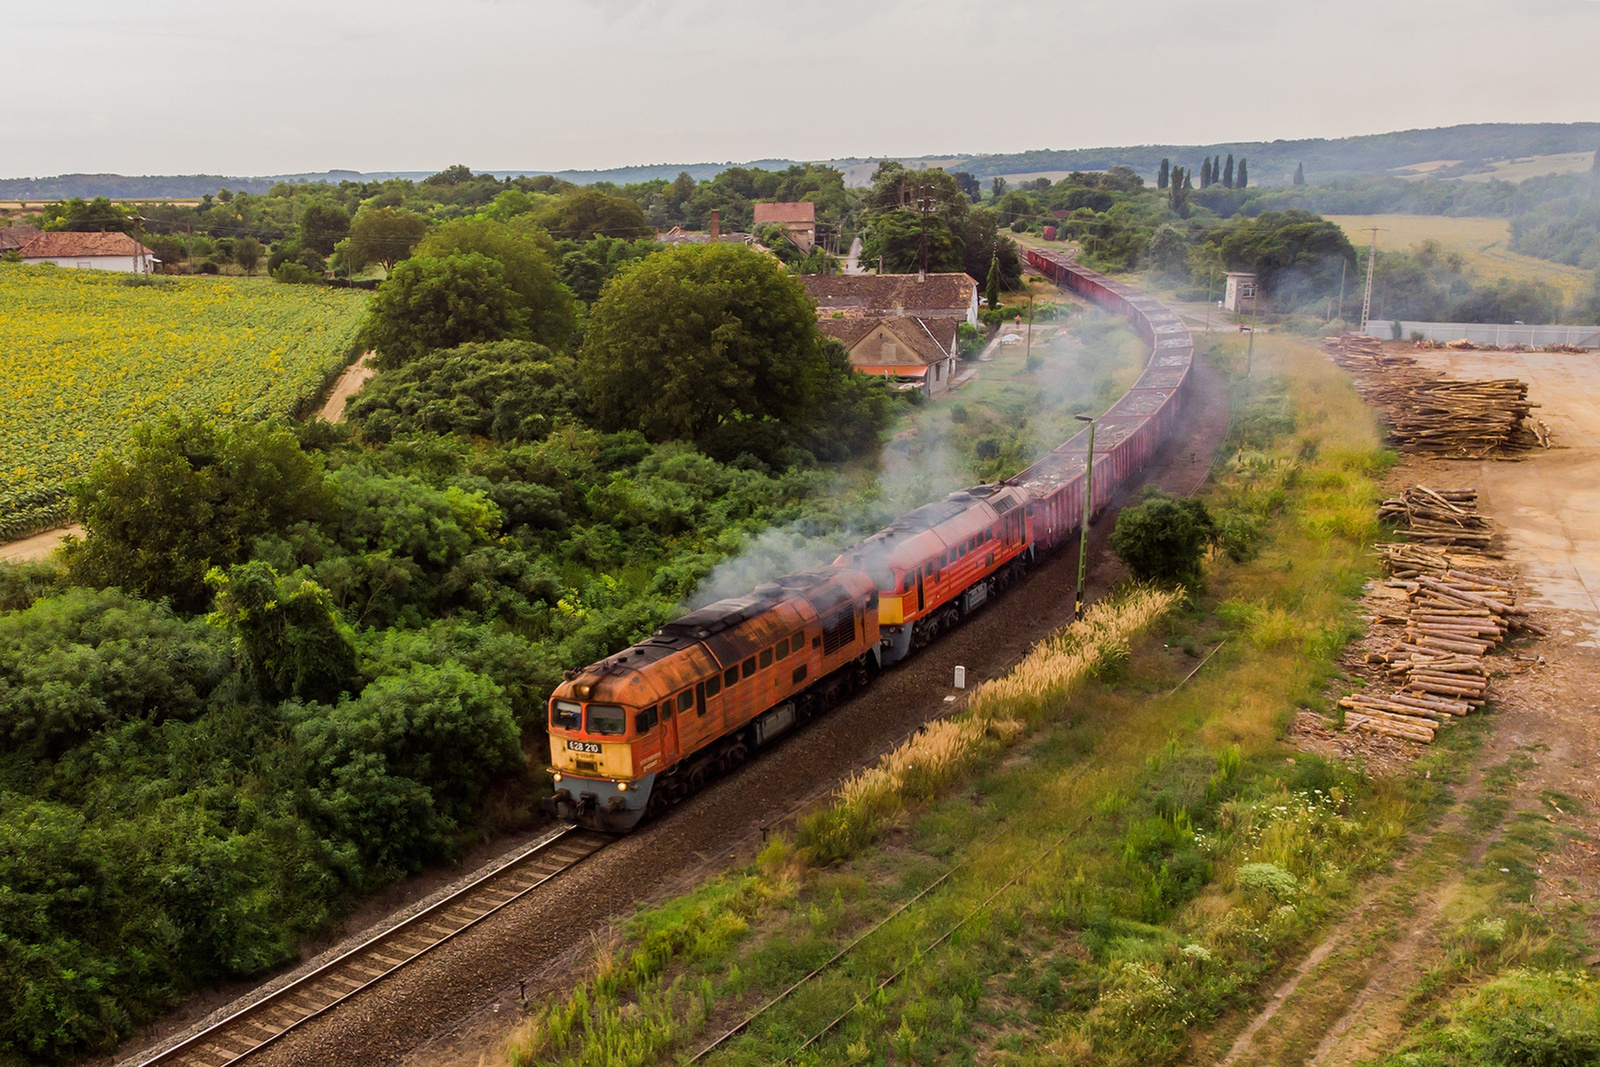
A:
(1461, 419)
(1453, 619)
(1447, 517)
(1432, 414)
(1356, 351)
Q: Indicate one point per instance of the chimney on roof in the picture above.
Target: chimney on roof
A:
(716, 225)
(922, 276)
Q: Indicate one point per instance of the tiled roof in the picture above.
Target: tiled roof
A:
(69, 245)
(16, 236)
(888, 292)
(920, 340)
(799, 211)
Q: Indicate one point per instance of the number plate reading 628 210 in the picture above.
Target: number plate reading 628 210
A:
(584, 746)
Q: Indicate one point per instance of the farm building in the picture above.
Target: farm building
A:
(90, 251)
(13, 238)
(929, 296)
(908, 349)
(799, 221)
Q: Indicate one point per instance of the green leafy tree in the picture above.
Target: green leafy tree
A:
(185, 495)
(898, 236)
(527, 259)
(698, 335)
(587, 265)
(1163, 539)
(997, 187)
(289, 636)
(247, 253)
(92, 216)
(382, 235)
(322, 226)
(1168, 252)
(439, 302)
(590, 213)
(506, 391)
(1300, 174)
(1286, 248)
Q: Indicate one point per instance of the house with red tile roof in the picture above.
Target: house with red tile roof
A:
(798, 219)
(909, 350)
(925, 295)
(90, 251)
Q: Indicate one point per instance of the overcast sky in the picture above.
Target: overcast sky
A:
(183, 86)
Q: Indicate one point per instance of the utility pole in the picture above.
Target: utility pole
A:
(1029, 354)
(1372, 262)
(925, 202)
(1083, 525)
(1211, 289)
(1343, 266)
(1255, 300)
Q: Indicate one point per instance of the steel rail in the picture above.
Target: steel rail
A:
(257, 1025)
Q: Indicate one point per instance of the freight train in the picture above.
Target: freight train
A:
(640, 730)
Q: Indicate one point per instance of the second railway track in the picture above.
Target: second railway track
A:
(259, 1024)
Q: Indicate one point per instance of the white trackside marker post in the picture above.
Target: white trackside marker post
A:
(961, 677)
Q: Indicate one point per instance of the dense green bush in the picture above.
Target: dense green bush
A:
(505, 391)
(1163, 538)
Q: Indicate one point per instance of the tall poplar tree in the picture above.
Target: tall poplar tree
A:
(992, 285)
(1166, 166)
(1244, 173)
(1300, 174)
(1227, 172)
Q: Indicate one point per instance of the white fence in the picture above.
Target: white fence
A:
(1499, 335)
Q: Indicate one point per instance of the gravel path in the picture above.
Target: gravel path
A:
(445, 1009)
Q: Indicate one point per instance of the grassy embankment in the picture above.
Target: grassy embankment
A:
(1128, 859)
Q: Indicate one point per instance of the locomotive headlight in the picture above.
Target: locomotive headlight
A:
(622, 787)
(583, 691)
(555, 778)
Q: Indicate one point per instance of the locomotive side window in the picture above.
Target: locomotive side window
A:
(730, 676)
(748, 667)
(566, 716)
(799, 675)
(766, 658)
(713, 686)
(781, 649)
(608, 720)
(685, 700)
(645, 720)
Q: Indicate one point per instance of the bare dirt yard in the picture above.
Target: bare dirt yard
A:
(1384, 968)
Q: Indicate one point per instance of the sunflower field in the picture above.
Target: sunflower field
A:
(85, 355)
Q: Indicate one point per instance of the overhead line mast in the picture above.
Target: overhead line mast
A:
(1372, 261)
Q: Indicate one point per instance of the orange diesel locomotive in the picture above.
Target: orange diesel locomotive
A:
(934, 566)
(645, 727)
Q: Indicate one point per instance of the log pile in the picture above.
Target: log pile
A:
(1459, 419)
(1431, 414)
(1444, 517)
(1356, 351)
(1434, 671)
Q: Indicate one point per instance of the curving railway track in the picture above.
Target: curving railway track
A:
(1135, 427)
(258, 1025)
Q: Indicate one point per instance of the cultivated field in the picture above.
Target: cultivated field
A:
(1483, 242)
(87, 355)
